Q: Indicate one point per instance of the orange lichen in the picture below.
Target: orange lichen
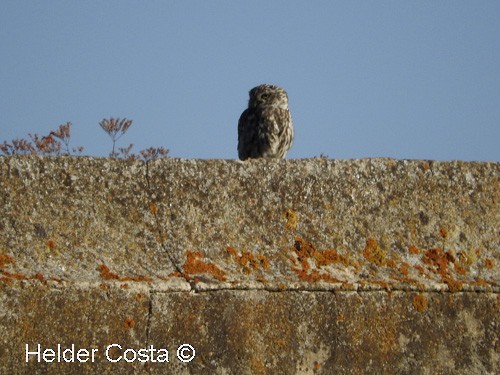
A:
(264, 261)
(292, 219)
(459, 269)
(248, 261)
(232, 251)
(173, 274)
(483, 282)
(153, 208)
(355, 264)
(51, 244)
(420, 269)
(325, 257)
(106, 274)
(374, 253)
(257, 366)
(443, 232)
(15, 276)
(305, 251)
(5, 259)
(136, 278)
(11, 276)
(439, 259)
(453, 285)
(413, 250)
(194, 265)
(425, 165)
(391, 263)
(404, 268)
(420, 302)
(129, 323)
(489, 263)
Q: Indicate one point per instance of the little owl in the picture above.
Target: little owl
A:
(265, 128)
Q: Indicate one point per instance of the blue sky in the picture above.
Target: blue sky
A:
(402, 79)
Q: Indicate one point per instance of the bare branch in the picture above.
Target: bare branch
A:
(115, 129)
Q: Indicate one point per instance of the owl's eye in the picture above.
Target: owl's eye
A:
(264, 96)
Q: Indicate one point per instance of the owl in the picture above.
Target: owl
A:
(265, 128)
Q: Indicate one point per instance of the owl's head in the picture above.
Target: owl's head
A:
(268, 96)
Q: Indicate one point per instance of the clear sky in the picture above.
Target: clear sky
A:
(403, 79)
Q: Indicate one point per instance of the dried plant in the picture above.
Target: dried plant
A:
(153, 153)
(45, 145)
(64, 134)
(42, 145)
(6, 148)
(57, 143)
(17, 147)
(125, 152)
(115, 129)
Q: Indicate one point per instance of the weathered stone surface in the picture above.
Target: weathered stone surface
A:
(85, 317)
(347, 332)
(295, 266)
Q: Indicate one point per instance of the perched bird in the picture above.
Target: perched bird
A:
(265, 128)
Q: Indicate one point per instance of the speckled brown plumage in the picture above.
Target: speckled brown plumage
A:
(265, 128)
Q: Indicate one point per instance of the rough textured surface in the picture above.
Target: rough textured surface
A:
(293, 266)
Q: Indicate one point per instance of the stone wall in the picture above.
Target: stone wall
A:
(262, 267)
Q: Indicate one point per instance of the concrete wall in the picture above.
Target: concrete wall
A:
(263, 267)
